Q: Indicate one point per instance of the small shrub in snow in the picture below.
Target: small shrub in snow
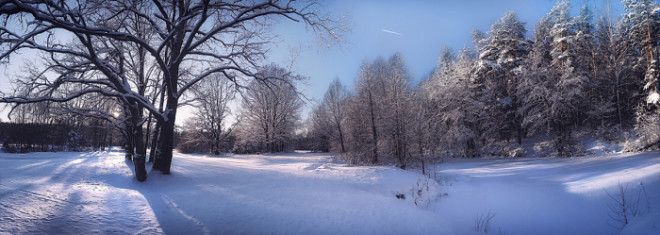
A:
(401, 196)
(516, 152)
(421, 192)
(642, 192)
(624, 205)
(483, 221)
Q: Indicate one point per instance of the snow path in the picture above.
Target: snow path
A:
(547, 196)
(70, 193)
(95, 193)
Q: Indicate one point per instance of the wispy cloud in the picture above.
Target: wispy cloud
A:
(391, 32)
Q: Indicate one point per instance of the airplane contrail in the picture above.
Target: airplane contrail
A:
(391, 32)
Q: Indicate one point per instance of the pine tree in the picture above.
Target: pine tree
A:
(568, 100)
(459, 111)
(537, 84)
(605, 95)
(642, 26)
(499, 70)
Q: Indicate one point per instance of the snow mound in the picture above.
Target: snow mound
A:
(653, 98)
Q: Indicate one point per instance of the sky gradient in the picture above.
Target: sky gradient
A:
(417, 29)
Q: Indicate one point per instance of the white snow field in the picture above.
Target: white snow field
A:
(79, 193)
(552, 195)
(306, 193)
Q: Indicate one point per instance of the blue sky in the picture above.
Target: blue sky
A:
(417, 29)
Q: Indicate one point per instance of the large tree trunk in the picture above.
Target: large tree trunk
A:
(164, 161)
(130, 143)
(154, 144)
(138, 139)
(216, 142)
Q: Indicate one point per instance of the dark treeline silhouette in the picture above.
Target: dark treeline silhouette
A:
(203, 142)
(31, 137)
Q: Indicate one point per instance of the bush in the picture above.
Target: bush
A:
(483, 221)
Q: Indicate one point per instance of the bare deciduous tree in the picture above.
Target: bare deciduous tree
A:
(271, 109)
(330, 115)
(212, 99)
(191, 41)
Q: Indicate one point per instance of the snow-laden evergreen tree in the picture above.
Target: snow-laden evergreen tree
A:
(499, 70)
(425, 124)
(642, 17)
(604, 110)
(570, 65)
(460, 106)
(642, 26)
(428, 108)
(583, 47)
(538, 84)
(615, 84)
(479, 38)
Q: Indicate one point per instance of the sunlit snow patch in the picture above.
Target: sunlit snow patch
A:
(612, 179)
(653, 98)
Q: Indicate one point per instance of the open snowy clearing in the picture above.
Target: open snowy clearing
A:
(551, 196)
(281, 194)
(75, 193)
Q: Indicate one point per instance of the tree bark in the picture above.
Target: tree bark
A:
(374, 132)
(164, 161)
(147, 135)
(154, 144)
(341, 138)
(138, 139)
(130, 145)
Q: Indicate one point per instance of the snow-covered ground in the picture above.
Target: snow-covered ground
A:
(306, 193)
(72, 193)
(551, 196)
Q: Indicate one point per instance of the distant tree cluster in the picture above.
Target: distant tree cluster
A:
(270, 112)
(205, 131)
(28, 133)
(576, 73)
(31, 137)
(268, 117)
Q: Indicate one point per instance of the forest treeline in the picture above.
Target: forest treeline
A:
(31, 137)
(577, 73)
(131, 72)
